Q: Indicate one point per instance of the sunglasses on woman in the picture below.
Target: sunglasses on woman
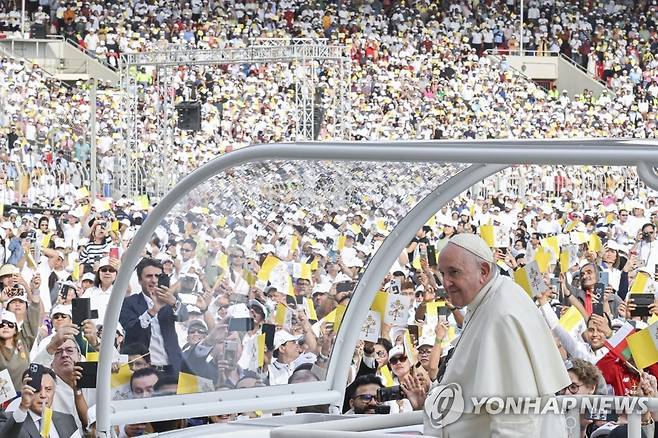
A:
(9, 324)
(106, 270)
(397, 359)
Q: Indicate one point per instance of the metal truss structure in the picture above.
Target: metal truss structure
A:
(134, 177)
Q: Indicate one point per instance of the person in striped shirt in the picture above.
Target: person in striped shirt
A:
(98, 246)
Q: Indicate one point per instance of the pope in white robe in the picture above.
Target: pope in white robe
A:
(505, 349)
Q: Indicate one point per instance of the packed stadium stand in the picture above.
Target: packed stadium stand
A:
(240, 258)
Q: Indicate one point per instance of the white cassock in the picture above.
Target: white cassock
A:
(505, 349)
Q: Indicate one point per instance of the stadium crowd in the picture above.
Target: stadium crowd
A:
(245, 288)
(417, 74)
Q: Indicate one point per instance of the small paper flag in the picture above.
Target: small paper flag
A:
(570, 319)
(282, 316)
(643, 345)
(7, 390)
(416, 261)
(330, 317)
(595, 243)
(487, 234)
(565, 261)
(543, 257)
(530, 279)
(640, 283)
(46, 421)
(551, 243)
(409, 347)
(82, 192)
(310, 309)
(379, 303)
(92, 356)
(579, 237)
(268, 265)
(122, 377)
(191, 384)
(340, 313)
(294, 243)
(45, 241)
(222, 261)
(387, 376)
(260, 342)
(101, 206)
(142, 202)
(315, 264)
(432, 309)
(397, 309)
(306, 271)
(341, 243)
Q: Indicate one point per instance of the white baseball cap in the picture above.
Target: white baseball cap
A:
(282, 336)
(8, 316)
(89, 276)
(63, 309)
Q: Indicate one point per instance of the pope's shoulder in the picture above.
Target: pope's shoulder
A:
(511, 299)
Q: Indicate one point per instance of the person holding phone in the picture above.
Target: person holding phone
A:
(413, 396)
(610, 263)
(13, 350)
(99, 294)
(235, 279)
(25, 420)
(588, 295)
(149, 318)
(288, 355)
(99, 243)
(647, 246)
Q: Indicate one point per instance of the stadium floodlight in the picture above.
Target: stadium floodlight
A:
(466, 163)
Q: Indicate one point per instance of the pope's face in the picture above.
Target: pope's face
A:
(463, 277)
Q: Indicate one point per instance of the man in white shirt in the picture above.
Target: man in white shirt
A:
(149, 318)
(289, 356)
(26, 420)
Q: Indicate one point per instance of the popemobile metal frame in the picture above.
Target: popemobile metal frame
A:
(486, 158)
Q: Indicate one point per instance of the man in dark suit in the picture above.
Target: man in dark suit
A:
(148, 318)
(25, 422)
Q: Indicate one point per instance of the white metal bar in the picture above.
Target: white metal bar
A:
(634, 425)
(365, 422)
(216, 403)
(648, 174)
(285, 432)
